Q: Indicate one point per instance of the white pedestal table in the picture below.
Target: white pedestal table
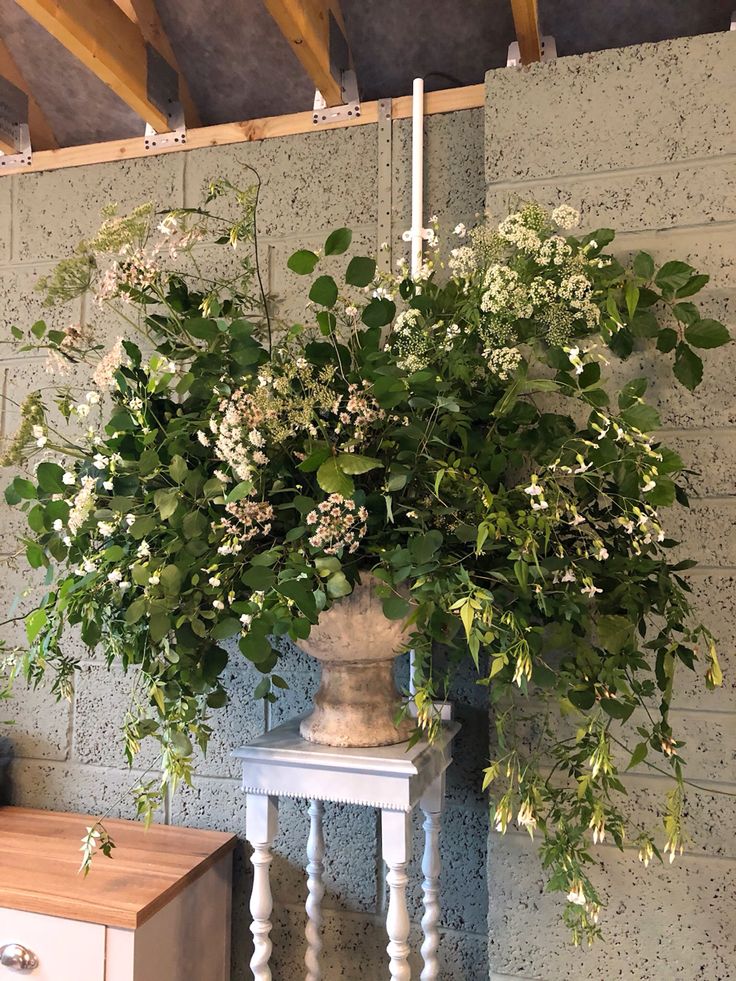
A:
(393, 779)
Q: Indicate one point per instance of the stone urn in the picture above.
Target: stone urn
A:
(356, 645)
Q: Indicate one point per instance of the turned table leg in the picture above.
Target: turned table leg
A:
(396, 832)
(316, 890)
(431, 804)
(261, 827)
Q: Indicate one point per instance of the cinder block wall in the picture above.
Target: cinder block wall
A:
(69, 756)
(644, 139)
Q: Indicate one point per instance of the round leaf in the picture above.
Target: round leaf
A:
(704, 334)
(338, 241)
(324, 291)
(302, 262)
(360, 271)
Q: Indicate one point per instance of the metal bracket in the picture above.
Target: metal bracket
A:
(14, 126)
(548, 46)
(162, 84)
(341, 71)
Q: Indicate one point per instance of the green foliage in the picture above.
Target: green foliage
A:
(470, 449)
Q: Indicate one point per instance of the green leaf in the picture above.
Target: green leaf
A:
(166, 500)
(327, 322)
(663, 493)
(171, 579)
(239, 491)
(178, 469)
(706, 334)
(360, 271)
(35, 622)
(688, 367)
(159, 625)
(136, 610)
(258, 577)
(644, 324)
(333, 480)
(614, 632)
(338, 241)
(582, 698)
(202, 328)
(395, 607)
(338, 585)
(354, 463)
(35, 556)
(424, 547)
(149, 462)
(49, 477)
(693, 285)
(632, 298)
(195, 524)
(686, 313)
(38, 329)
(638, 756)
(379, 312)
(673, 275)
(642, 416)
(227, 627)
(324, 291)
(301, 593)
(315, 459)
(644, 265)
(302, 262)
(667, 340)
(24, 488)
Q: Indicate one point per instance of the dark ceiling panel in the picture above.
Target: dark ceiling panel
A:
(596, 24)
(237, 62)
(79, 107)
(394, 41)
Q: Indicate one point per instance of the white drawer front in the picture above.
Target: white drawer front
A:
(66, 949)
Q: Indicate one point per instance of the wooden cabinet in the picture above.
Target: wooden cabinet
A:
(159, 910)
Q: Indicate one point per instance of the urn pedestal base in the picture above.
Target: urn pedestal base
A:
(356, 705)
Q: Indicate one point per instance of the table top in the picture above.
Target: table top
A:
(40, 857)
(281, 763)
(285, 745)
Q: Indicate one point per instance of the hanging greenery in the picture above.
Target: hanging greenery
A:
(465, 434)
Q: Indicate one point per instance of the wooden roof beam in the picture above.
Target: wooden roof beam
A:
(107, 42)
(526, 23)
(42, 136)
(306, 26)
(144, 14)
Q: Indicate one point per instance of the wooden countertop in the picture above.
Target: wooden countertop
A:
(40, 855)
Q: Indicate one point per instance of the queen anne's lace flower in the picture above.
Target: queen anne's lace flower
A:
(564, 216)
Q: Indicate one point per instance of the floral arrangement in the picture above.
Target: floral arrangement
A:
(461, 434)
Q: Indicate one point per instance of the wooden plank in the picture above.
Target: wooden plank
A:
(103, 39)
(149, 866)
(306, 26)
(526, 22)
(248, 131)
(144, 14)
(42, 136)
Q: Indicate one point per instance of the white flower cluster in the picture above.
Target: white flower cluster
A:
(554, 251)
(503, 361)
(104, 373)
(409, 338)
(82, 505)
(336, 524)
(134, 269)
(463, 262)
(564, 216)
(516, 231)
(504, 293)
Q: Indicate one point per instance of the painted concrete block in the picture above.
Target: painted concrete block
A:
(714, 599)
(34, 724)
(21, 303)
(315, 181)
(57, 209)
(102, 700)
(355, 950)
(627, 107)
(302, 673)
(90, 790)
(350, 855)
(706, 530)
(6, 219)
(711, 454)
(454, 186)
(663, 197)
(663, 922)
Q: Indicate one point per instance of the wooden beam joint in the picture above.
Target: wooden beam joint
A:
(528, 34)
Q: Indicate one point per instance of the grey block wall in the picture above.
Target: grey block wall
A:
(643, 139)
(69, 756)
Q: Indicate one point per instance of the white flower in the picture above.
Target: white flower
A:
(569, 576)
(202, 437)
(99, 461)
(115, 576)
(566, 217)
(218, 604)
(351, 312)
(222, 476)
(590, 589)
(540, 505)
(105, 528)
(534, 489)
(576, 894)
(144, 550)
(58, 524)
(154, 580)
(650, 485)
(124, 586)
(246, 619)
(92, 398)
(107, 484)
(89, 565)
(460, 230)
(68, 478)
(214, 581)
(67, 540)
(129, 519)
(601, 553)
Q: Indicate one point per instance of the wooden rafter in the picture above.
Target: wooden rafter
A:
(42, 136)
(144, 14)
(105, 40)
(306, 26)
(250, 130)
(526, 23)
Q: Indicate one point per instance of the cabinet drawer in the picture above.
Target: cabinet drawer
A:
(67, 950)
